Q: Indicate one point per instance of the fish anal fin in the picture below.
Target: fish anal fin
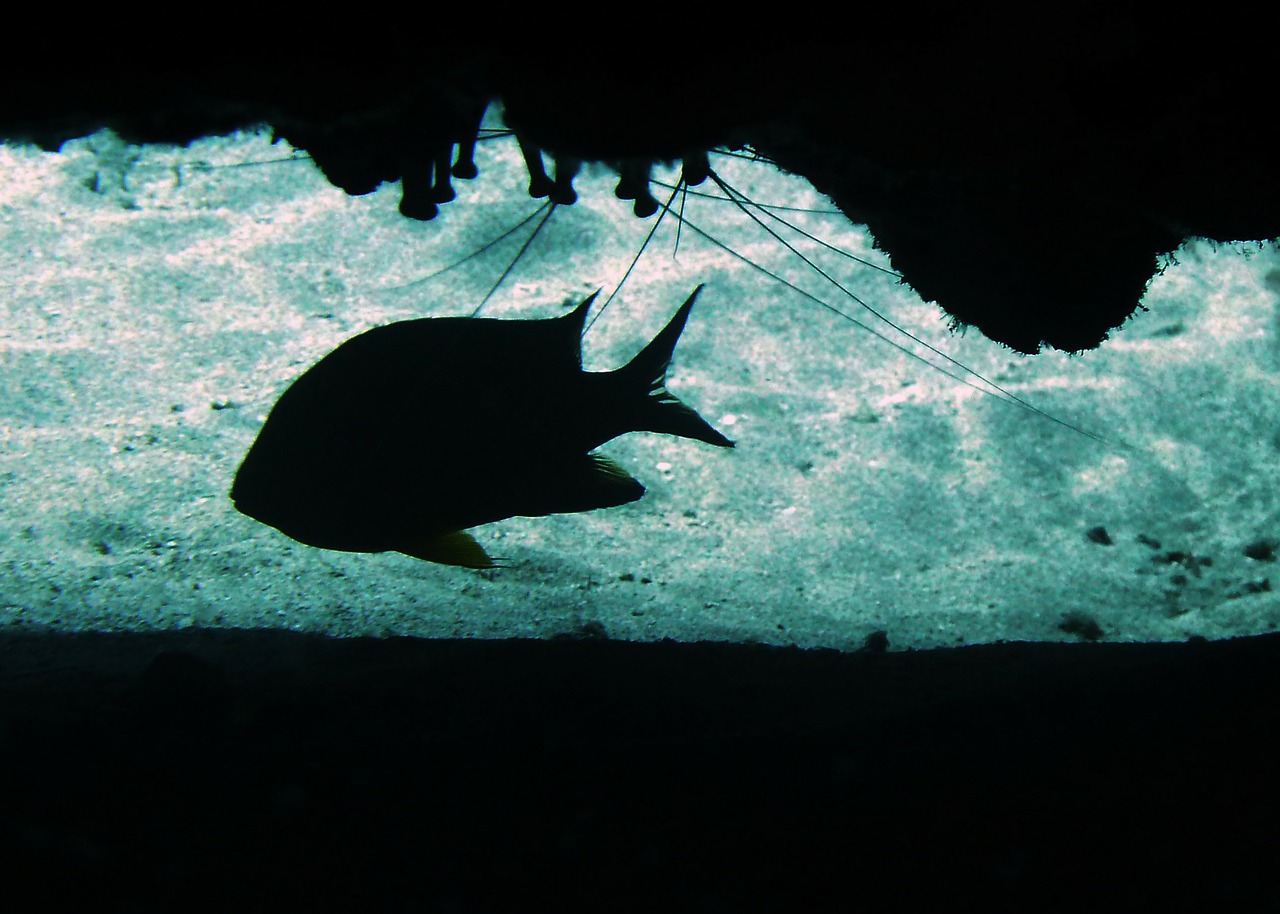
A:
(457, 548)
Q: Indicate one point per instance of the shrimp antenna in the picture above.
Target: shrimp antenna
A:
(551, 208)
(666, 208)
(999, 392)
(487, 246)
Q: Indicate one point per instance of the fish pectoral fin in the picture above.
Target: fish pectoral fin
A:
(610, 473)
(600, 483)
(583, 482)
(457, 548)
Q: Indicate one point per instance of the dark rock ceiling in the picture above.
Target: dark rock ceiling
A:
(1024, 175)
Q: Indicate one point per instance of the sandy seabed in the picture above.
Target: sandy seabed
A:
(159, 300)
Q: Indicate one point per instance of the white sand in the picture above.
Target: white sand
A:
(149, 324)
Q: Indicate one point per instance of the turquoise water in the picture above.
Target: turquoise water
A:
(161, 299)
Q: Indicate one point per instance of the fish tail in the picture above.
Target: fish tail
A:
(646, 374)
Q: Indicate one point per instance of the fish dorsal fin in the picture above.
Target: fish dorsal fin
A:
(457, 548)
(575, 321)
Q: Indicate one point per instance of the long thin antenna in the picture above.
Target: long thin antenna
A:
(488, 245)
(1000, 392)
(684, 198)
(666, 208)
(779, 207)
(551, 208)
(821, 242)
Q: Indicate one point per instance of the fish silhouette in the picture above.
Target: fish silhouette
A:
(408, 434)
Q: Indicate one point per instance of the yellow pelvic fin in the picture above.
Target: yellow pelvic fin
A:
(457, 548)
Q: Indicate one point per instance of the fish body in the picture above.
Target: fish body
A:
(408, 434)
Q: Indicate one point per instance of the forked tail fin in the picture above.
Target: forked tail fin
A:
(646, 374)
